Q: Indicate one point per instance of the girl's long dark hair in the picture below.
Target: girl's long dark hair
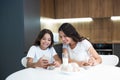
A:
(40, 36)
(70, 31)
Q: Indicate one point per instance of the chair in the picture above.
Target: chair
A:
(24, 62)
(58, 49)
(110, 59)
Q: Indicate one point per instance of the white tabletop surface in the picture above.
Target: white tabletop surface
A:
(99, 72)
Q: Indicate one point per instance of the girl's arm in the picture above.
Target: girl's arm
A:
(40, 63)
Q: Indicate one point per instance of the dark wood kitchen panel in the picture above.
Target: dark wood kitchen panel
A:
(98, 31)
(84, 29)
(116, 7)
(67, 11)
(101, 30)
(83, 8)
(116, 32)
(63, 8)
(100, 8)
(80, 8)
(107, 30)
(71, 8)
(59, 8)
(47, 8)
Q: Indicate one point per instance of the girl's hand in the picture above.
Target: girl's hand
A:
(42, 63)
(56, 64)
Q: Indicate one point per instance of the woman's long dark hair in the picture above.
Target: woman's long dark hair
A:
(40, 36)
(70, 31)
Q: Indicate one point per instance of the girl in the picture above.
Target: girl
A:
(42, 54)
(80, 50)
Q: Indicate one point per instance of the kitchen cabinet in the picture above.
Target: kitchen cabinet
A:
(101, 30)
(100, 8)
(83, 8)
(71, 8)
(98, 31)
(79, 8)
(116, 31)
(47, 8)
(116, 7)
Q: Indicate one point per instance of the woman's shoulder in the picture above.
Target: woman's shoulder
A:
(84, 41)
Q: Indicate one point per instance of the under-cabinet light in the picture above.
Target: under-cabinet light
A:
(115, 17)
(75, 20)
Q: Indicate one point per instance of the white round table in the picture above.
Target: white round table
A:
(99, 72)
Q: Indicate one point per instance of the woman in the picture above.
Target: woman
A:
(80, 50)
(41, 53)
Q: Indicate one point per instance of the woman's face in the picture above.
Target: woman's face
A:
(64, 38)
(45, 41)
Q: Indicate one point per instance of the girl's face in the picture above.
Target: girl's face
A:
(45, 41)
(64, 38)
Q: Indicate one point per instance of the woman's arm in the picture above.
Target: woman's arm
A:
(57, 60)
(80, 63)
(94, 56)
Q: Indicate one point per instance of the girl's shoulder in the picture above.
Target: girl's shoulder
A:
(33, 47)
(51, 48)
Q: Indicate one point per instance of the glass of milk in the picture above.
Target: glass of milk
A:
(65, 58)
